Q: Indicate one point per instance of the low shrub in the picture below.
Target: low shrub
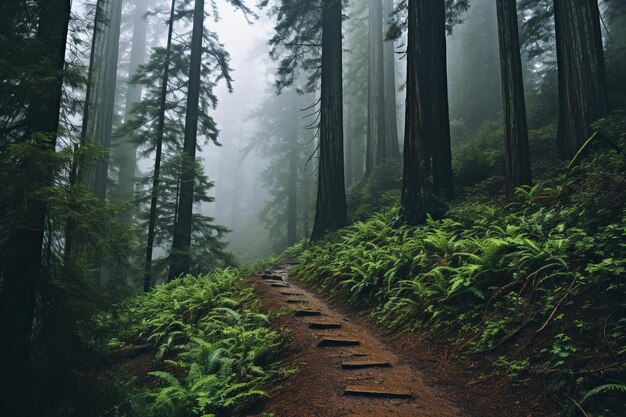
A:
(214, 348)
(539, 281)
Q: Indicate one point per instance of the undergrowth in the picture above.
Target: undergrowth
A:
(214, 349)
(538, 283)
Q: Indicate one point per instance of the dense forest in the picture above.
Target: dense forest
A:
(299, 208)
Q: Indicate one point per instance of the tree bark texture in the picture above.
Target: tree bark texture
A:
(23, 270)
(441, 151)
(348, 145)
(376, 140)
(100, 100)
(391, 119)
(581, 71)
(518, 171)
(331, 208)
(418, 111)
(181, 245)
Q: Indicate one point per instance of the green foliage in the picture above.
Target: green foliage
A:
(296, 44)
(523, 280)
(216, 349)
(512, 368)
(479, 159)
(208, 248)
(380, 190)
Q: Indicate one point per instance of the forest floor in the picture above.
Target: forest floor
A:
(344, 367)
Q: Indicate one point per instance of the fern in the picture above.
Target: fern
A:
(486, 277)
(620, 388)
(219, 353)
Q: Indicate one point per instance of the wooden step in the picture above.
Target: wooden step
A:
(289, 293)
(269, 277)
(298, 301)
(377, 391)
(307, 313)
(365, 364)
(279, 285)
(351, 353)
(329, 341)
(324, 325)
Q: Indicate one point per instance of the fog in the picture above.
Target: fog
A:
(238, 167)
(239, 192)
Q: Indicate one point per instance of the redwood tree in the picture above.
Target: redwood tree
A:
(331, 207)
(389, 72)
(582, 72)
(376, 130)
(179, 258)
(427, 155)
(418, 112)
(308, 37)
(128, 163)
(440, 149)
(100, 98)
(23, 271)
(518, 170)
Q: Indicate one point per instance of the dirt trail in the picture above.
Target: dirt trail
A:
(344, 369)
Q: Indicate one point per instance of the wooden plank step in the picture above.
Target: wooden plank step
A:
(377, 391)
(279, 285)
(324, 325)
(289, 293)
(297, 301)
(269, 277)
(351, 353)
(329, 341)
(365, 364)
(307, 313)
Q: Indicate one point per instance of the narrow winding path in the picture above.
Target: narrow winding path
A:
(344, 369)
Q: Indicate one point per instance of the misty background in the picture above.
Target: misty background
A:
(236, 167)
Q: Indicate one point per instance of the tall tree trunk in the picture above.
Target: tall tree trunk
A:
(128, 164)
(292, 192)
(582, 72)
(616, 54)
(98, 118)
(23, 266)
(391, 119)
(418, 113)
(104, 116)
(97, 123)
(349, 144)
(331, 207)
(440, 125)
(85, 173)
(156, 176)
(180, 262)
(518, 170)
(306, 186)
(376, 140)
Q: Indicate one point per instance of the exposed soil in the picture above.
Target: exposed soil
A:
(345, 369)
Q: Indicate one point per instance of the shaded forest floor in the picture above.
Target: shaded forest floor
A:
(345, 366)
